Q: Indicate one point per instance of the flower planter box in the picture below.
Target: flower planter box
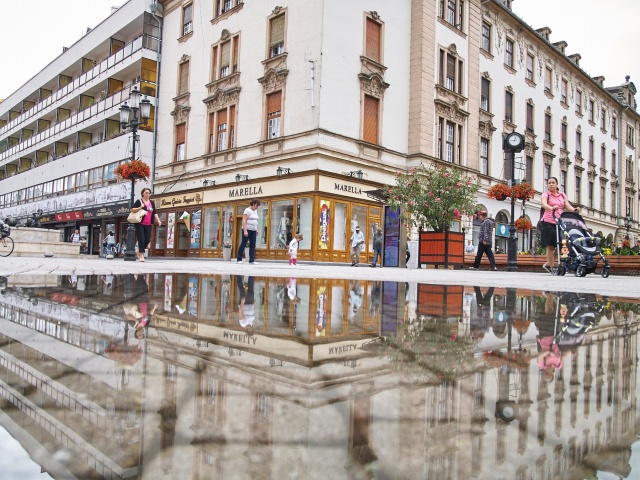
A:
(226, 254)
(441, 301)
(441, 248)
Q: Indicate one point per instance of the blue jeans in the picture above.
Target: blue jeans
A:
(377, 252)
(251, 238)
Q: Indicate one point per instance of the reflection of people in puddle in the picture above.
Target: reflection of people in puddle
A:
(355, 300)
(138, 316)
(246, 306)
(549, 353)
(480, 325)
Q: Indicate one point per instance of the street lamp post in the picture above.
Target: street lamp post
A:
(627, 224)
(514, 142)
(132, 123)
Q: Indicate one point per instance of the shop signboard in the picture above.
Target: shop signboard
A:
(324, 224)
(108, 211)
(180, 201)
(69, 216)
(502, 230)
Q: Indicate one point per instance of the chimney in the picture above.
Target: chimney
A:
(575, 58)
(561, 45)
(544, 32)
(600, 80)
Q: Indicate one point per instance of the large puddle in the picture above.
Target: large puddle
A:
(187, 376)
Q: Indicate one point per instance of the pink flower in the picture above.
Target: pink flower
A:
(447, 174)
(457, 213)
(458, 184)
(412, 202)
(437, 199)
(426, 204)
(430, 194)
(440, 375)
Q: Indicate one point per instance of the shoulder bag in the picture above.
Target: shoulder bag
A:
(137, 216)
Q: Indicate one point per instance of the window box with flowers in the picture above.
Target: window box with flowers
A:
(499, 191)
(133, 170)
(432, 198)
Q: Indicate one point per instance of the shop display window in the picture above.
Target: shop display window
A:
(337, 310)
(211, 229)
(304, 222)
(374, 223)
(340, 225)
(358, 219)
(171, 226)
(263, 222)
(281, 217)
(227, 224)
(196, 218)
(161, 232)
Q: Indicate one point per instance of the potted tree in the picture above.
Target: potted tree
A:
(432, 198)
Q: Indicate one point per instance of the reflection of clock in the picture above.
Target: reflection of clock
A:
(514, 142)
(506, 410)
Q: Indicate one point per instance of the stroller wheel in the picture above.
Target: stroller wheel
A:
(561, 270)
(581, 271)
(605, 273)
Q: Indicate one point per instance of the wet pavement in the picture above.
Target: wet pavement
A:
(268, 371)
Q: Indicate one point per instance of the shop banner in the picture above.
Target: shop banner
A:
(171, 223)
(168, 288)
(180, 201)
(321, 312)
(195, 229)
(325, 224)
(68, 216)
(117, 210)
(192, 306)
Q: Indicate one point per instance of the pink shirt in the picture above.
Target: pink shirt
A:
(148, 218)
(553, 200)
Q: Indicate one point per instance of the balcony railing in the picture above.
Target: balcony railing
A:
(137, 44)
(97, 108)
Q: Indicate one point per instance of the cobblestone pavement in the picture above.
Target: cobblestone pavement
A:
(622, 286)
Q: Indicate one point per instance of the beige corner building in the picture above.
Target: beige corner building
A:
(313, 106)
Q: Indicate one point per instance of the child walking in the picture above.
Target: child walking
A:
(293, 249)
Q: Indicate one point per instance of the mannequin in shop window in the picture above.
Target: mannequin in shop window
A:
(282, 231)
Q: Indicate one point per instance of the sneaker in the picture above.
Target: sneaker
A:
(495, 269)
(253, 263)
(373, 266)
(239, 261)
(472, 268)
(546, 267)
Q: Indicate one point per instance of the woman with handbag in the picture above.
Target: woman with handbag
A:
(143, 229)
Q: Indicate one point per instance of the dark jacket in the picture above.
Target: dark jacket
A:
(486, 231)
(377, 240)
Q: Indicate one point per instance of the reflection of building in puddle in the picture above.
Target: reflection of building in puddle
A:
(220, 403)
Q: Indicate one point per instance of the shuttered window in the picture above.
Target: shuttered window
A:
(187, 22)
(371, 112)
(232, 126)
(222, 129)
(277, 31)
(212, 132)
(274, 114)
(214, 63)
(236, 52)
(183, 81)
(225, 57)
(373, 49)
(180, 142)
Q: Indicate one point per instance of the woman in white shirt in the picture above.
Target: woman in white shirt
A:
(249, 231)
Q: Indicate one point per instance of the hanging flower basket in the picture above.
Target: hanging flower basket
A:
(523, 223)
(133, 170)
(523, 191)
(499, 191)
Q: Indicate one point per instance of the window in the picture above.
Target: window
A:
(486, 37)
(613, 162)
(590, 194)
(274, 114)
(591, 149)
(579, 102)
(187, 19)
(579, 144)
(603, 156)
(449, 141)
(450, 69)
(452, 12)
(548, 74)
(603, 195)
(547, 127)
(591, 112)
(276, 36)
(180, 142)
(578, 193)
(563, 136)
(529, 73)
(509, 53)
(508, 106)
(546, 173)
(614, 127)
(629, 168)
(603, 120)
(529, 117)
(371, 123)
(484, 156)
(484, 95)
(563, 181)
(373, 41)
(224, 58)
(95, 179)
(563, 92)
(631, 136)
(223, 6)
(528, 169)
(183, 78)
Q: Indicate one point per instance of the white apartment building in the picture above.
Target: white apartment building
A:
(60, 134)
(313, 106)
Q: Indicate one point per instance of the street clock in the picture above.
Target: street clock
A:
(513, 142)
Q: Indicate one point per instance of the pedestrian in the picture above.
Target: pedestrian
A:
(408, 252)
(485, 241)
(469, 248)
(293, 249)
(109, 243)
(143, 229)
(250, 220)
(377, 247)
(554, 202)
(246, 305)
(357, 240)
(75, 236)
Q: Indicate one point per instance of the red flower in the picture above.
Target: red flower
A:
(136, 169)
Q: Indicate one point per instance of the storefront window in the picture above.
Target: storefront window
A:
(358, 219)
(211, 229)
(281, 223)
(227, 224)
(263, 222)
(304, 221)
(195, 229)
(161, 232)
(340, 225)
(171, 227)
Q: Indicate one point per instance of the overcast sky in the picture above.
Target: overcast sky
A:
(33, 32)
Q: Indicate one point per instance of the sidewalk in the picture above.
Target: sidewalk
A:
(614, 285)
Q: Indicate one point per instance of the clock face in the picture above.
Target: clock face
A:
(513, 140)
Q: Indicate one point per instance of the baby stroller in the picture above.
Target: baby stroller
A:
(578, 250)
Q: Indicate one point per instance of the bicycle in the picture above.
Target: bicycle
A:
(6, 245)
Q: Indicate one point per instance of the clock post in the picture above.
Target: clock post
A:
(513, 143)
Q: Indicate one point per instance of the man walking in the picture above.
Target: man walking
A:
(377, 247)
(357, 240)
(485, 241)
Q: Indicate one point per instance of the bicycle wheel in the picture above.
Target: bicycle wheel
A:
(6, 246)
